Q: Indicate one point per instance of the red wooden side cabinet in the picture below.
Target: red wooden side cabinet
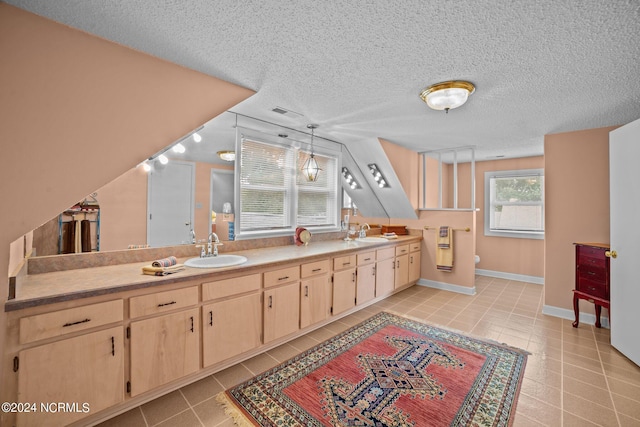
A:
(592, 278)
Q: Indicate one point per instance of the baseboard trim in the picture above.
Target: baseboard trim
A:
(447, 287)
(563, 313)
(511, 276)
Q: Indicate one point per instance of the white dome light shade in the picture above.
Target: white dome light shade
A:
(163, 159)
(197, 137)
(447, 95)
(179, 148)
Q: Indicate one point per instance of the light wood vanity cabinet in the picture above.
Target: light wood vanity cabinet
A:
(281, 303)
(166, 347)
(233, 323)
(315, 292)
(344, 283)
(414, 262)
(365, 277)
(87, 368)
(401, 273)
(385, 271)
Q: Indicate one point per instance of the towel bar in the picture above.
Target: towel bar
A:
(428, 227)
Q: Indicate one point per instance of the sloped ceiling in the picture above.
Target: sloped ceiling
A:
(356, 68)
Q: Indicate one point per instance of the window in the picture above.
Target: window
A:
(514, 203)
(274, 196)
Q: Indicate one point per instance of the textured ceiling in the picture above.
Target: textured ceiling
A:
(357, 67)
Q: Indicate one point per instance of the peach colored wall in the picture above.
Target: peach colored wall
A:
(503, 254)
(577, 205)
(78, 111)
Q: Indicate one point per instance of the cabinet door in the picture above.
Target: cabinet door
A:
(402, 271)
(88, 368)
(344, 290)
(385, 277)
(163, 349)
(281, 311)
(366, 283)
(315, 300)
(230, 327)
(414, 266)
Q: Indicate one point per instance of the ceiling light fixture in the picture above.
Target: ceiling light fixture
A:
(447, 95)
(178, 148)
(310, 168)
(197, 137)
(350, 180)
(227, 155)
(163, 159)
(377, 176)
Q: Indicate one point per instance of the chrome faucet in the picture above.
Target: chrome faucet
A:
(215, 242)
(363, 233)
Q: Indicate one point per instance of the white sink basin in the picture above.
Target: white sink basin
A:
(216, 261)
(371, 239)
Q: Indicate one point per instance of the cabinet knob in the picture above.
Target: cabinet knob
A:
(611, 254)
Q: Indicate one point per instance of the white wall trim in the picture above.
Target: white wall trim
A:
(511, 276)
(563, 313)
(447, 287)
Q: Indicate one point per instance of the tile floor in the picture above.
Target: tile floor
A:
(573, 376)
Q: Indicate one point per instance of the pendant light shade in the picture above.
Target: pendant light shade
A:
(311, 169)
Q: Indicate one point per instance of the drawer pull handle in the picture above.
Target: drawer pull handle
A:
(191, 323)
(283, 278)
(270, 301)
(166, 303)
(591, 273)
(211, 318)
(113, 346)
(398, 263)
(306, 291)
(373, 270)
(367, 259)
(76, 323)
(346, 263)
(315, 270)
(353, 277)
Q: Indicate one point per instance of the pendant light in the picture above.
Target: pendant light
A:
(310, 168)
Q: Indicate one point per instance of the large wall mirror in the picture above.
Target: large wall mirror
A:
(180, 201)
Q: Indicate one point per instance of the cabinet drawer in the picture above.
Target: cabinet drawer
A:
(366, 258)
(592, 261)
(413, 247)
(314, 268)
(343, 262)
(401, 250)
(591, 287)
(41, 326)
(162, 301)
(595, 274)
(228, 287)
(284, 275)
(385, 253)
(591, 251)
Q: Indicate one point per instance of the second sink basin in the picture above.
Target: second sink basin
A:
(216, 261)
(371, 239)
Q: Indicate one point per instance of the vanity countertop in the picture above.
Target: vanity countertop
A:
(58, 286)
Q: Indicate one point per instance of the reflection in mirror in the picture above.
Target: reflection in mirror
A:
(183, 200)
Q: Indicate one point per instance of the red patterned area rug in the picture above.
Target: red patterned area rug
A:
(386, 371)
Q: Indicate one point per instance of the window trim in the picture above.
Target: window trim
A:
(538, 235)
